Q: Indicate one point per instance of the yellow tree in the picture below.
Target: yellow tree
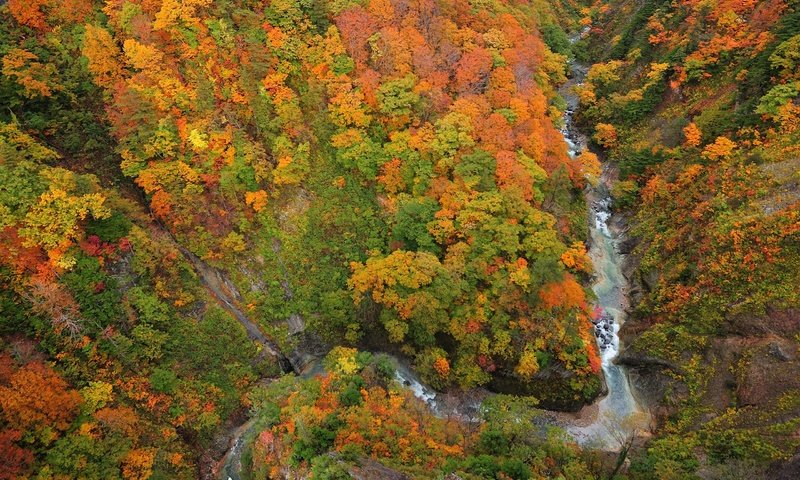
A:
(606, 135)
(692, 135)
(103, 55)
(53, 221)
(406, 283)
(721, 149)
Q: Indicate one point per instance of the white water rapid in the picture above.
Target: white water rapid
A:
(409, 379)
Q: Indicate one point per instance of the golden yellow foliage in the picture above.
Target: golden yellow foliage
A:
(36, 79)
(590, 166)
(138, 464)
(143, 57)
(528, 364)
(103, 55)
(721, 149)
(257, 199)
(692, 135)
(606, 135)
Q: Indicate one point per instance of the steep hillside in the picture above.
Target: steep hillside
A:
(697, 105)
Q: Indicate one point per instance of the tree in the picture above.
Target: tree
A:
(786, 57)
(692, 135)
(590, 166)
(397, 97)
(38, 400)
(53, 222)
(36, 79)
(14, 460)
(566, 294)
(173, 11)
(104, 56)
(604, 75)
(411, 284)
(29, 12)
(776, 98)
(52, 300)
(472, 71)
(605, 134)
(257, 199)
(356, 25)
(138, 464)
(502, 87)
(391, 177)
(411, 224)
(721, 149)
(511, 416)
(143, 57)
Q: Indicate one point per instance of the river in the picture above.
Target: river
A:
(616, 416)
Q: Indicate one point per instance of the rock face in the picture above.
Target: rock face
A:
(755, 358)
(784, 322)
(308, 350)
(650, 382)
(789, 470)
(369, 469)
(769, 370)
(550, 387)
(748, 370)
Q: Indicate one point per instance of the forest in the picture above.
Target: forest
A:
(331, 239)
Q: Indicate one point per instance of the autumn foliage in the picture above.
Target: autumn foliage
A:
(374, 169)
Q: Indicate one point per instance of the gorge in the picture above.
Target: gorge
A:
(400, 239)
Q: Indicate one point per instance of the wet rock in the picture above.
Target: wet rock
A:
(778, 352)
(635, 294)
(650, 383)
(309, 349)
(626, 246)
(296, 324)
(634, 358)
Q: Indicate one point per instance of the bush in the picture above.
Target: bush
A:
(109, 229)
(635, 162)
(163, 381)
(350, 396)
(515, 469)
(319, 439)
(493, 442)
(325, 467)
(484, 465)
(625, 193)
(384, 367)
